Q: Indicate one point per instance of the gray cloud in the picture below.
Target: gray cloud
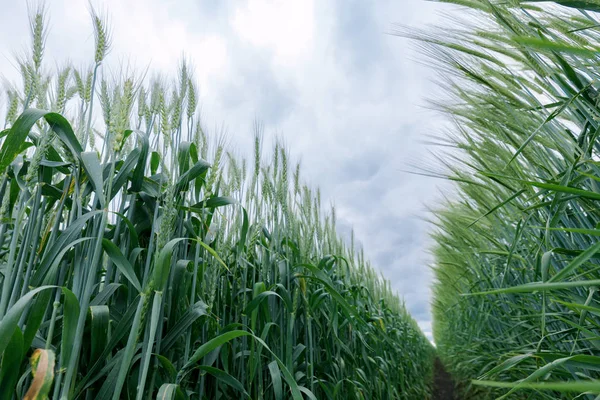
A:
(255, 83)
(358, 44)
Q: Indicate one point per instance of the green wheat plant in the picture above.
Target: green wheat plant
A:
(516, 303)
(131, 268)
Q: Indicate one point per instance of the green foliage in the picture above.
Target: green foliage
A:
(516, 306)
(141, 270)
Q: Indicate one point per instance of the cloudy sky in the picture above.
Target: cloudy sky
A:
(326, 76)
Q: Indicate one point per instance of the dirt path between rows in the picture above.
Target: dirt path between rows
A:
(443, 386)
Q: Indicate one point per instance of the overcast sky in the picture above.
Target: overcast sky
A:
(346, 96)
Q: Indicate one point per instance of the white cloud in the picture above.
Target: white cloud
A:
(152, 35)
(284, 27)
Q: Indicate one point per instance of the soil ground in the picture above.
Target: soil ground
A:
(443, 386)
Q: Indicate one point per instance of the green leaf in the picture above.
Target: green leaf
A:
(214, 343)
(539, 287)
(572, 386)
(167, 365)
(91, 163)
(591, 5)
(21, 128)
(577, 262)
(162, 266)
(260, 297)
(8, 323)
(212, 202)
(210, 346)
(17, 135)
(124, 172)
(154, 162)
(35, 318)
(170, 391)
(122, 263)
(140, 168)
(225, 378)
(149, 343)
(320, 276)
(197, 310)
(103, 297)
(10, 367)
(58, 247)
(129, 350)
(123, 327)
(63, 130)
(99, 322)
(197, 170)
(307, 392)
(276, 379)
(553, 46)
(70, 317)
